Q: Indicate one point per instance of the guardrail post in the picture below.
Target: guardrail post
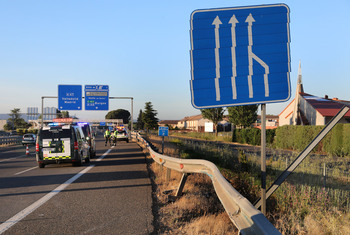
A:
(168, 172)
(182, 184)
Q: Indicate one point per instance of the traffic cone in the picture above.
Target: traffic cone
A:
(27, 150)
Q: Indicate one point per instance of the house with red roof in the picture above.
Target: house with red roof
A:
(307, 109)
(170, 123)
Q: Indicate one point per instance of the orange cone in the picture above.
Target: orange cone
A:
(27, 150)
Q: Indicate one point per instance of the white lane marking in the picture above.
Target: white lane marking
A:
(8, 159)
(21, 172)
(22, 214)
(105, 154)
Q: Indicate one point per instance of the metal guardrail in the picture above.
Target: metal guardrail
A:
(242, 213)
(10, 140)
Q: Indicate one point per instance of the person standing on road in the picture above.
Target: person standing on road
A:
(115, 137)
(107, 136)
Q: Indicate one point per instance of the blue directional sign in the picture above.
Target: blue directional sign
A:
(96, 97)
(163, 131)
(240, 56)
(69, 97)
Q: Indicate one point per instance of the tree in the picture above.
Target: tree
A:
(62, 114)
(16, 121)
(119, 114)
(140, 124)
(149, 117)
(243, 116)
(215, 115)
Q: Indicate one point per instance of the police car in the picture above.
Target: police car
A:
(122, 135)
(62, 143)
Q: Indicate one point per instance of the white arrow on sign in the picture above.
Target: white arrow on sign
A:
(217, 24)
(233, 21)
(252, 56)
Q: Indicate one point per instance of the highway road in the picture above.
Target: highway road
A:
(111, 195)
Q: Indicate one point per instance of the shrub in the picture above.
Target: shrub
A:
(336, 142)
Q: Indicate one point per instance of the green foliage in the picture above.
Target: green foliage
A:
(8, 127)
(201, 135)
(149, 117)
(252, 136)
(16, 121)
(247, 136)
(119, 114)
(140, 124)
(346, 139)
(22, 131)
(243, 116)
(215, 115)
(336, 142)
(295, 137)
(62, 114)
(270, 136)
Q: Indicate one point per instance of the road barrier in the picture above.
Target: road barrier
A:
(242, 213)
(10, 140)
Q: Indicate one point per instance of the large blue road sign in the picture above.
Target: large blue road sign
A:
(69, 97)
(240, 56)
(96, 97)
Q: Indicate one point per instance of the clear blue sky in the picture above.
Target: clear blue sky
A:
(141, 49)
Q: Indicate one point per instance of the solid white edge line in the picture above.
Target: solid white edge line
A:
(22, 214)
(21, 172)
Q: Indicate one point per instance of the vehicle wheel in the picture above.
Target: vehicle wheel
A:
(41, 165)
(79, 162)
(87, 160)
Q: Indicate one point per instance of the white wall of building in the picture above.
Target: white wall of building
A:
(285, 118)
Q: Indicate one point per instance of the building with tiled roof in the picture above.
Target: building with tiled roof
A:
(307, 109)
(194, 123)
(170, 123)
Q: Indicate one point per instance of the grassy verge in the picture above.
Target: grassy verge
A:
(302, 205)
(197, 211)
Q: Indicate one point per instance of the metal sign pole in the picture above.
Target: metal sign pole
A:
(263, 158)
(132, 114)
(42, 107)
(132, 108)
(163, 144)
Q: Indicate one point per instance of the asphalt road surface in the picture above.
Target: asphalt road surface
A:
(111, 195)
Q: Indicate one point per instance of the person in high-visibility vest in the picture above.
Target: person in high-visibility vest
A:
(107, 136)
(114, 133)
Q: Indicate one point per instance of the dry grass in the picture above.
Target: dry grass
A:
(317, 223)
(210, 224)
(197, 211)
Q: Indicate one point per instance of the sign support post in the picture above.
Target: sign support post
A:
(132, 108)
(163, 131)
(42, 107)
(263, 158)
